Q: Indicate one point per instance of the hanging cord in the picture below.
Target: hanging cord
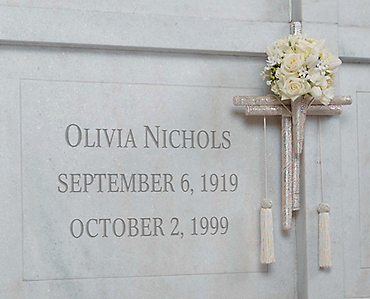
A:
(324, 219)
(321, 164)
(265, 150)
(266, 225)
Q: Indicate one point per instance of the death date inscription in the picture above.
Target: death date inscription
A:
(148, 227)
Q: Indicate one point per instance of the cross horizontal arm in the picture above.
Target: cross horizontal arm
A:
(271, 99)
(254, 110)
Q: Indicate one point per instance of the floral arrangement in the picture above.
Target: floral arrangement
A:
(298, 66)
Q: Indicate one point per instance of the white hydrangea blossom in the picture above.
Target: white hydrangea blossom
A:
(297, 66)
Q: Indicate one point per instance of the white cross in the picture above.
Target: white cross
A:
(292, 133)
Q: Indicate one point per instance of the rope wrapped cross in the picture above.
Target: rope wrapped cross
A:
(307, 90)
(292, 135)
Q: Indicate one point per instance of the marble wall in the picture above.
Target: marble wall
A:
(95, 204)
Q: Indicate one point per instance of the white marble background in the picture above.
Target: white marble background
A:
(217, 46)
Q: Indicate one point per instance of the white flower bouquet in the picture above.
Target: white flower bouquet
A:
(299, 66)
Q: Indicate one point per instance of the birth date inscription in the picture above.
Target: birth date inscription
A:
(144, 182)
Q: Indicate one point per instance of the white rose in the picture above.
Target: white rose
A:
(319, 47)
(293, 88)
(326, 96)
(280, 42)
(303, 46)
(318, 79)
(325, 100)
(326, 56)
(328, 93)
(281, 79)
(331, 81)
(293, 39)
(334, 63)
(285, 49)
(316, 92)
(270, 51)
(292, 63)
(312, 61)
(274, 88)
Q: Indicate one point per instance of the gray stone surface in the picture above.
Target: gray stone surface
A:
(156, 32)
(354, 147)
(48, 89)
(97, 64)
(166, 166)
(264, 10)
(364, 173)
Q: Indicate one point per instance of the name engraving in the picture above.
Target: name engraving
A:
(157, 137)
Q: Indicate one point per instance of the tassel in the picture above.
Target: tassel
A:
(324, 236)
(299, 113)
(267, 233)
